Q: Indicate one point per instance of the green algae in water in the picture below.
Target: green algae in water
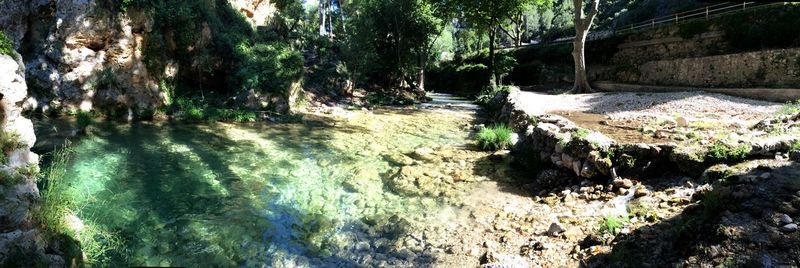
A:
(232, 195)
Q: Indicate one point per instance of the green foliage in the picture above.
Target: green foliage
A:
(56, 205)
(613, 224)
(195, 110)
(795, 146)
(581, 133)
(763, 28)
(51, 214)
(721, 152)
(268, 68)
(231, 115)
(497, 137)
(790, 108)
(9, 141)
(6, 47)
(190, 110)
(391, 41)
(84, 119)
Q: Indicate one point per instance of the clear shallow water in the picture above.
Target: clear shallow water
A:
(252, 195)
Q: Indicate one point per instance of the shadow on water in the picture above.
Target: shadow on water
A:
(176, 198)
(182, 216)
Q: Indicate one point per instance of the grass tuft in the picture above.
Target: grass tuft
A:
(721, 152)
(495, 138)
(613, 224)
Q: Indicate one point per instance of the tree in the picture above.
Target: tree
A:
(583, 21)
(487, 17)
(391, 41)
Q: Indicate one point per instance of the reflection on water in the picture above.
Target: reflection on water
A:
(249, 195)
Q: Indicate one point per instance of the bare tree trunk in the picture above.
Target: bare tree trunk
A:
(323, 13)
(493, 77)
(582, 24)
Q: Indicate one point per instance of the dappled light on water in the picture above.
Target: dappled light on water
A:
(231, 195)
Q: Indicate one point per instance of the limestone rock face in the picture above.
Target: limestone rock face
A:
(85, 56)
(20, 243)
(257, 12)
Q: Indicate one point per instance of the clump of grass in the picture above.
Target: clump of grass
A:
(580, 133)
(197, 111)
(790, 108)
(613, 224)
(721, 152)
(795, 146)
(9, 141)
(84, 119)
(56, 204)
(497, 137)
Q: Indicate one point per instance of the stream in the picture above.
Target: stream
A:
(211, 195)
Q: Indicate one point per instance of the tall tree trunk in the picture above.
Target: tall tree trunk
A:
(341, 15)
(323, 13)
(582, 24)
(493, 78)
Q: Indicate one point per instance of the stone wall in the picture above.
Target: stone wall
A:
(20, 242)
(777, 68)
(558, 142)
(665, 56)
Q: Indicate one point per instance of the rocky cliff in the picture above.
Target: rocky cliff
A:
(21, 244)
(92, 55)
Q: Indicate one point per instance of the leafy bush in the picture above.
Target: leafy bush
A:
(721, 152)
(6, 48)
(494, 138)
(268, 68)
(795, 146)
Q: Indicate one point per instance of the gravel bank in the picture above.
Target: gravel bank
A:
(692, 105)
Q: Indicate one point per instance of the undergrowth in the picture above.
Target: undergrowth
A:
(721, 152)
(9, 141)
(790, 108)
(6, 48)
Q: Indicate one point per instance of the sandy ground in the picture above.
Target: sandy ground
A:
(622, 106)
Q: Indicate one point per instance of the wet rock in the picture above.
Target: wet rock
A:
(785, 219)
(789, 228)
(623, 183)
(362, 246)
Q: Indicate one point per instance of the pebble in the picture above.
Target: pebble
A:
(765, 175)
(789, 228)
(624, 183)
(785, 219)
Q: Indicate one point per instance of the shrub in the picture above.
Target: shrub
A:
(6, 48)
(721, 152)
(494, 138)
(269, 68)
